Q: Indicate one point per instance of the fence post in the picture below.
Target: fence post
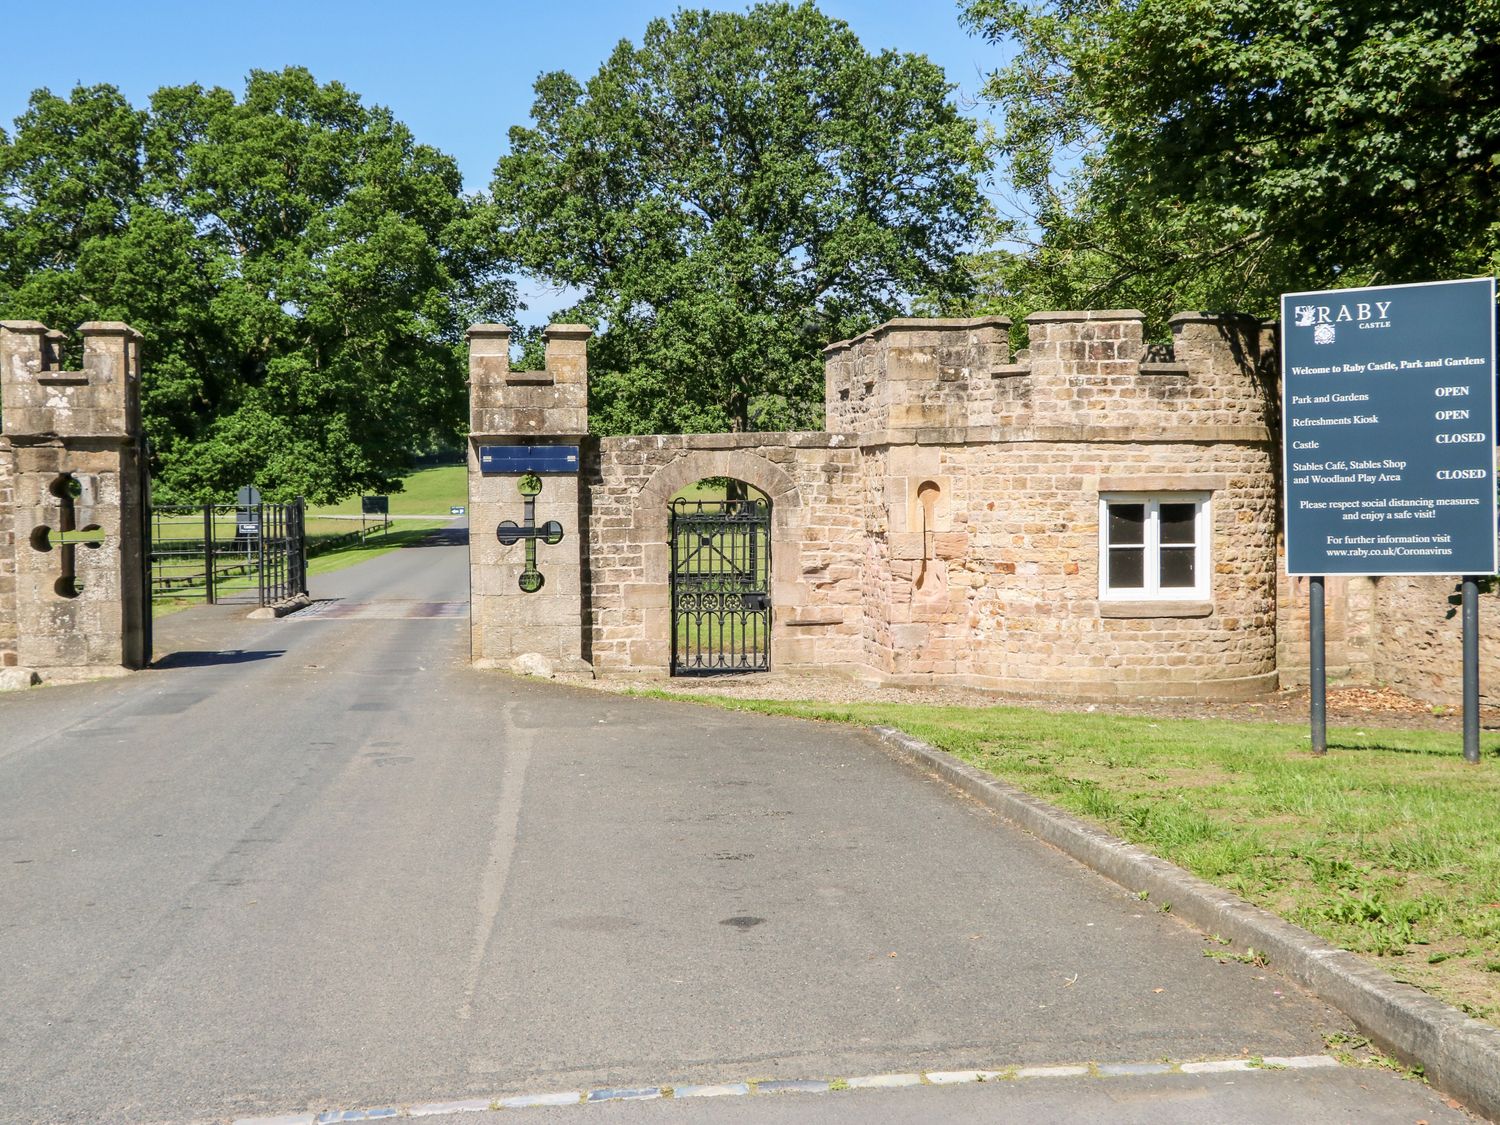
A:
(301, 545)
(260, 551)
(209, 566)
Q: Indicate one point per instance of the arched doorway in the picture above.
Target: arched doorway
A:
(720, 538)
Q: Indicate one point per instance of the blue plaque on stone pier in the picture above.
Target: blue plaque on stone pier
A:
(518, 459)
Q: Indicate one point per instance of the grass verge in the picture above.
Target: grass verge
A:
(1388, 846)
(426, 492)
(410, 533)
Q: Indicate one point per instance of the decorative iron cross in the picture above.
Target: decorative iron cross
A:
(531, 579)
(67, 489)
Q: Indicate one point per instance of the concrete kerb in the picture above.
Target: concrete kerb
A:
(1459, 1055)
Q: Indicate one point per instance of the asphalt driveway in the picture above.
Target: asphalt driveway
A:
(320, 862)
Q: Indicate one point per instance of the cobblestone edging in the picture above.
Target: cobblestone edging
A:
(791, 1086)
(1459, 1055)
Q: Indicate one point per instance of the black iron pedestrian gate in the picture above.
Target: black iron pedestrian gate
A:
(721, 586)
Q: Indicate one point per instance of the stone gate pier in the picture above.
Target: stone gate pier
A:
(74, 601)
(527, 596)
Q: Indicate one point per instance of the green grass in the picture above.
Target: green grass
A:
(407, 534)
(1388, 846)
(426, 492)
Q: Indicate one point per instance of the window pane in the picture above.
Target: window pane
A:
(1127, 568)
(1177, 522)
(1177, 569)
(1127, 524)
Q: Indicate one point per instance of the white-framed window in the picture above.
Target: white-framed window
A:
(1154, 546)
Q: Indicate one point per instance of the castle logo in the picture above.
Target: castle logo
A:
(1322, 318)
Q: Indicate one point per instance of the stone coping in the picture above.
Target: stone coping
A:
(87, 328)
(1214, 318)
(804, 439)
(564, 330)
(108, 328)
(1149, 367)
(1085, 314)
(79, 443)
(921, 324)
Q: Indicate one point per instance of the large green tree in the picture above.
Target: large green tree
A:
(1218, 152)
(303, 270)
(731, 195)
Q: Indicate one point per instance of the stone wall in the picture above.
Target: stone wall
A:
(912, 374)
(1352, 628)
(946, 529)
(1420, 648)
(814, 484)
(8, 654)
(1000, 588)
(1403, 632)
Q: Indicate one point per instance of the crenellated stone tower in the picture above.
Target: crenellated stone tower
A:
(73, 596)
(991, 481)
(527, 589)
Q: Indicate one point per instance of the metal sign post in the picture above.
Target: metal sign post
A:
(1388, 440)
(247, 515)
(1471, 669)
(1317, 665)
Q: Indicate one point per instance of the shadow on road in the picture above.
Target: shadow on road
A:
(442, 537)
(190, 659)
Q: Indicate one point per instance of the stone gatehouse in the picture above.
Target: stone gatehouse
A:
(1094, 517)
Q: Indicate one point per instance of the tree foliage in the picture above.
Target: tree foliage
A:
(1218, 152)
(732, 195)
(302, 268)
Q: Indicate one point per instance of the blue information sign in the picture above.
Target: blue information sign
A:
(515, 459)
(1388, 427)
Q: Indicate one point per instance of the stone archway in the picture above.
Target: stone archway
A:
(650, 529)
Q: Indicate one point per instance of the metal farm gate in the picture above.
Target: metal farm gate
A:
(721, 586)
(250, 553)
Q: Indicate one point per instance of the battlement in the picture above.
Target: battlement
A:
(1090, 370)
(911, 373)
(40, 399)
(552, 401)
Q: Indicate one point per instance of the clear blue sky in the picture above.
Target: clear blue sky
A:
(458, 72)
